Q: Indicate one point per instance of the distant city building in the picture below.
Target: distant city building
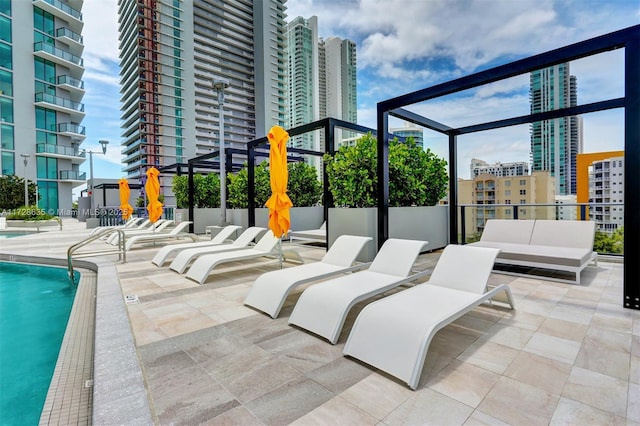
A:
(555, 143)
(486, 191)
(409, 130)
(322, 82)
(583, 169)
(568, 211)
(339, 91)
(479, 167)
(606, 193)
(170, 54)
(304, 79)
(41, 93)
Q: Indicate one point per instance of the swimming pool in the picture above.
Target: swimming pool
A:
(35, 303)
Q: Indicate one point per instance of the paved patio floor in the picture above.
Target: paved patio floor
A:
(567, 355)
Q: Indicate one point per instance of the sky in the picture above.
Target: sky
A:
(407, 45)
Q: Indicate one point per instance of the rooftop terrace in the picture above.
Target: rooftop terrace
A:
(191, 354)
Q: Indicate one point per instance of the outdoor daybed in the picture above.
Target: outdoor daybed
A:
(560, 245)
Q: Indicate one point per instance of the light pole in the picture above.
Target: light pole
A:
(104, 144)
(25, 159)
(219, 85)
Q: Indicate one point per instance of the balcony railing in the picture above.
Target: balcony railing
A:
(66, 32)
(65, 103)
(69, 81)
(59, 53)
(43, 148)
(65, 8)
(72, 175)
(71, 128)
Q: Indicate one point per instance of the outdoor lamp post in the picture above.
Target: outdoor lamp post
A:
(219, 85)
(25, 159)
(104, 144)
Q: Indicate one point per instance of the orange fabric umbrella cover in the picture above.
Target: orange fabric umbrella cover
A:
(279, 202)
(125, 192)
(152, 189)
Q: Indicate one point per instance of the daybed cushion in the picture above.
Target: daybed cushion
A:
(565, 256)
(508, 231)
(563, 233)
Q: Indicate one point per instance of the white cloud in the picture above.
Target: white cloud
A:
(100, 31)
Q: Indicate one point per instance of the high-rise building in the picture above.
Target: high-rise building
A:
(555, 143)
(41, 91)
(517, 168)
(170, 54)
(409, 130)
(322, 80)
(304, 79)
(606, 193)
(497, 197)
(340, 88)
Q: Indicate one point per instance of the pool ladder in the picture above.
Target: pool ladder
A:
(120, 250)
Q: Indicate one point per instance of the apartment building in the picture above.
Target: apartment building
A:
(172, 52)
(322, 81)
(41, 92)
(555, 143)
(516, 168)
(606, 193)
(496, 197)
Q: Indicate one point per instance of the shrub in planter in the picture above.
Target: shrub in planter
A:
(417, 177)
(237, 189)
(206, 192)
(304, 188)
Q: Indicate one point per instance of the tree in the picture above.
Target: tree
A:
(416, 177)
(237, 190)
(206, 193)
(304, 188)
(12, 192)
(609, 243)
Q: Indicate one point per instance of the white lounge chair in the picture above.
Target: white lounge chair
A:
(270, 290)
(203, 266)
(323, 308)
(220, 238)
(393, 334)
(310, 235)
(132, 223)
(182, 260)
(158, 226)
(176, 233)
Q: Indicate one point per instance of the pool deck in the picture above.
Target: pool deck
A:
(193, 354)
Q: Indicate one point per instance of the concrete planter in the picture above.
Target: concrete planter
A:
(34, 224)
(301, 217)
(415, 223)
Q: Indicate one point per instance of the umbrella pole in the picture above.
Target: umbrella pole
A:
(280, 250)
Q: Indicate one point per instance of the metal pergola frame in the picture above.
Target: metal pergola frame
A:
(628, 38)
(329, 125)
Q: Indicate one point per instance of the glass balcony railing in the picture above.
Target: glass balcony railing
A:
(69, 81)
(72, 175)
(65, 8)
(66, 32)
(43, 148)
(65, 103)
(71, 128)
(59, 53)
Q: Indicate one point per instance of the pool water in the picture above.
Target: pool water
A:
(35, 304)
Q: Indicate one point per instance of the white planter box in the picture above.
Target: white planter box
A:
(415, 223)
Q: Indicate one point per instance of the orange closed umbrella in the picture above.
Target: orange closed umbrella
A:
(125, 192)
(152, 188)
(279, 203)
